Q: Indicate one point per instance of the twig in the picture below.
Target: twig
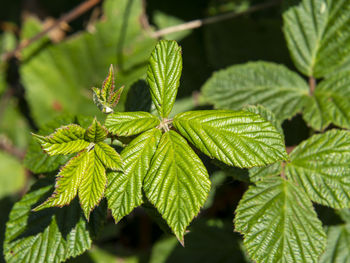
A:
(210, 20)
(73, 14)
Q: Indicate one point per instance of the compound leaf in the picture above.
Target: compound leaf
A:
(124, 190)
(52, 235)
(39, 162)
(108, 156)
(321, 166)
(130, 123)
(68, 180)
(237, 138)
(96, 132)
(312, 31)
(93, 184)
(274, 86)
(338, 244)
(177, 182)
(65, 140)
(330, 103)
(279, 224)
(163, 75)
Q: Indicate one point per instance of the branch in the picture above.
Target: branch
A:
(210, 20)
(73, 14)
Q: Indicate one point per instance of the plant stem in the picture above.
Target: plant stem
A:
(210, 20)
(312, 84)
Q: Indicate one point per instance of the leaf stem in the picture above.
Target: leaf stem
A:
(312, 85)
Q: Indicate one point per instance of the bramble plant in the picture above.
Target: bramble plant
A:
(161, 160)
(159, 163)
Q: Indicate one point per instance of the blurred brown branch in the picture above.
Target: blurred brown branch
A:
(210, 20)
(73, 14)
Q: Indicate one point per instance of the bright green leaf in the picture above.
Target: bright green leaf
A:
(312, 30)
(237, 138)
(321, 166)
(266, 114)
(338, 245)
(279, 224)
(107, 97)
(68, 180)
(108, 156)
(330, 103)
(130, 123)
(65, 140)
(39, 162)
(259, 173)
(177, 182)
(124, 190)
(52, 235)
(93, 184)
(274, 86)
(96, 132)
(163, 75)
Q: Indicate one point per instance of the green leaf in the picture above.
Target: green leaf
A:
(177, 182)
(12, 175)
(130, 123)
(68, 180)
(330, 103)
(119, 38)
(259, 173)
(321, 166)
(274, 86)
(312, 28)
(93, 185)
(52, 235)
(338, 244)
(39, 162)
(108, 156)
(163, 75)
(279, 224)
(107, 97)
(124, 190)
(241, 138)
(96, 132)
(65, 140)
(266, 114)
